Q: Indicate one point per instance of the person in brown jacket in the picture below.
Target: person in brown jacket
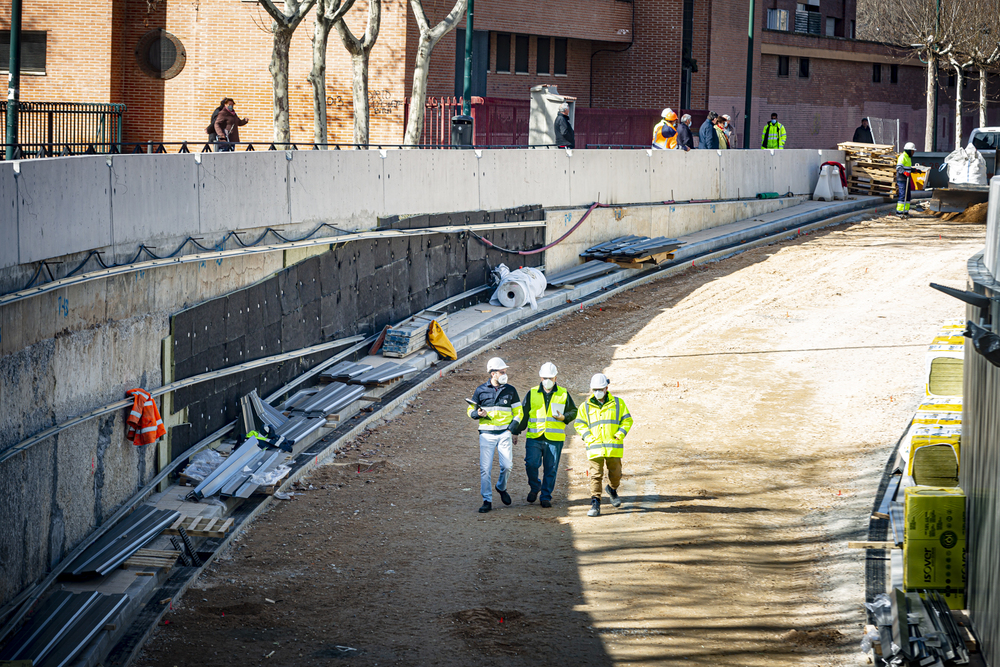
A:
(227, 126)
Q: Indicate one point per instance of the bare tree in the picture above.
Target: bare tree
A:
(328, 12)
(983, 44)
(285, 23)
(360, 50)
(958, 62)
(429, 37)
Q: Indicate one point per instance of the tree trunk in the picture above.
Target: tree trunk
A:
(958, 107)
(982, 97)
(279, 78)
(415, 123)
(930, 127)
(359, 66)
(317, 77)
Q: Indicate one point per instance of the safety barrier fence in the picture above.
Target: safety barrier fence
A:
(45, 127)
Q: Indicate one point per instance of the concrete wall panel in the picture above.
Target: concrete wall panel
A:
(63, 206)
(338, 187)
(153, 198)
(430, 181)
(746, 173)
(509, 178)
(683, 176)
(243, 190)
(796, 171)
(8, 216)
(590, 177)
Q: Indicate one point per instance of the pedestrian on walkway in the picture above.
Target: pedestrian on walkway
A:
(547, 409)
(213, 138)
(730, 131)
(665, 132)
(774, 134)
(707, 137)
(720, 130)
(228, 124)
(564, 129)
(603, 422)
(863, 135)
(498, 408)
(685, 140)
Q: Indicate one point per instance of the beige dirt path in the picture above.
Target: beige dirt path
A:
(767, 390)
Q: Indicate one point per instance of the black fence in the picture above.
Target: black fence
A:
(47, 128)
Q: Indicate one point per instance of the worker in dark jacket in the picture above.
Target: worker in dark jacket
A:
(863, 135)
(547, 409)
(707, 136)
(497, 407)
(564, 130)
(685, 140)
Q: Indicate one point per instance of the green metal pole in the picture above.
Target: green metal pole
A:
(467, 83)
(13, 77)
(749, 98)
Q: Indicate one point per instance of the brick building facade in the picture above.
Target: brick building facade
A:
(613, 54)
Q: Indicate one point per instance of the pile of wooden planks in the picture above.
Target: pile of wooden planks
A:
(409, 336)
(871, 168)
(199, 526)
(152, 558)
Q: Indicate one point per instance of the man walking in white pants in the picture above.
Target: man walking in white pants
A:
(498, 408)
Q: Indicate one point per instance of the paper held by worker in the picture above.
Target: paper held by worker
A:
(472, 402)
(558, 410)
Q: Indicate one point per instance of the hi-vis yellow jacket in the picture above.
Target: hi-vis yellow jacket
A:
(603, 426)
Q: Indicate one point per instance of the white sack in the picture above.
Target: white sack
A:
(520, 287)
(966, 166)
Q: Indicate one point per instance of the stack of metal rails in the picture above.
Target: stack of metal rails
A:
(580, 274)
(331, 398)
(411, 335)
(62, 627)
(632, 250)
(123, 540)
(918, 628)
(233, 477)
(344, 372)
(382, 375)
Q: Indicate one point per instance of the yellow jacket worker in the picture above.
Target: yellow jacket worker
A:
(603, 422)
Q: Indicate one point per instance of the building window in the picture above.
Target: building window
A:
(803, 68)
(831, 26)
(893, 73)
(876, 73)
(503, 52)
(777, 19)
(807, 19)
(543, 55)
(160, 54)
(560, 57)
(32, 51)
(782, 65)
(850, 30)
(521, 54)
(951, 80)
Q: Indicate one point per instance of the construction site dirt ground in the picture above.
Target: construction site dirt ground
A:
(768, 391)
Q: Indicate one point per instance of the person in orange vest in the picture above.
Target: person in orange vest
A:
(665, 132)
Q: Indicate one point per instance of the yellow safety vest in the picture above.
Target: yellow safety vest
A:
(904, 160)
(603, 427)
(540, 421)
(498, 417)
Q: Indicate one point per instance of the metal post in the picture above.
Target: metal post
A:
(749, 98)
(467, 83)
(13, 77)
(934, 110)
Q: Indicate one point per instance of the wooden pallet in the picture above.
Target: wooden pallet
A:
(637, 262)
(199, 526)
(152, 558)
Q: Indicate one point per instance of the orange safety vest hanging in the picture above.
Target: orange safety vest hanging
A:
(144, 424)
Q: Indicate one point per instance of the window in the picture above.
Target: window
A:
(503, 52)
(160, 54)
(850, 30)
(782, 65)
(876, 73)
(32, 51)
(777, 19)
(803, 68)
(807, 19)
(893, 73)
(560, 57)
(521, 54)
(831, 26)
(951, 80)
(543, 55)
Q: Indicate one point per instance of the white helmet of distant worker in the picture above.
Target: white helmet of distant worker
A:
(599, 381)
(495, 364)
(548, 370)
(909, 146)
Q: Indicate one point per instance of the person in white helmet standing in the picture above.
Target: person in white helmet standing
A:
(547, 409)
(603, 422)
(903, 194)
(498, 408)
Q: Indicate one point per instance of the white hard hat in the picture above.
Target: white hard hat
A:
(548, 370)
(495, 364)
(599, 381)
(909, 146)
(668, 110)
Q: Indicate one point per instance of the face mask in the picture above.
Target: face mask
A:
(599, 394)
(502, 379)
(548, 384)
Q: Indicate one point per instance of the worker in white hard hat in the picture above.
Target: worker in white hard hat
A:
(498, 408)
(665, 132)
(903, 193)
(547, 409)
(603, 422)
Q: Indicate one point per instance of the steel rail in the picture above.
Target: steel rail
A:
(20, 295)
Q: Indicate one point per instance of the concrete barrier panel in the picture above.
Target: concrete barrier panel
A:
(63, 206)
(153, 196)
(243, 190)
(796, 171)
(344, 187)
(683, 175)
(440, 181)
(612, 176)
(510, 178)
(746, 173)
(8, 216)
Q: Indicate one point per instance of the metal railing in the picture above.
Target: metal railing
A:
(43, 128)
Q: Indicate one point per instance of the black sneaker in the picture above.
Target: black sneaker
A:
(504, 496)
(595, 507)
(615, 500)
(487, 506)
(546, 503)
(532, 495)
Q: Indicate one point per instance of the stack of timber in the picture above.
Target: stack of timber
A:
(411, 335)
(872, 168)
(631, 251)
